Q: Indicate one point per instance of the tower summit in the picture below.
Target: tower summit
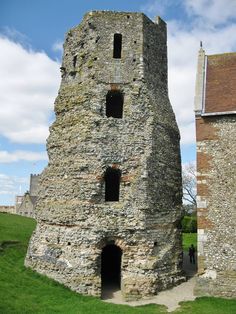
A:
(110, 202)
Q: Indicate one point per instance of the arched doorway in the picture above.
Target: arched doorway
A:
(111, 267)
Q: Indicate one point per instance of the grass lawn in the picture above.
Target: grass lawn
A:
(24, 291)
(188, 239)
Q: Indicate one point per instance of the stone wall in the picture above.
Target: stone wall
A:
(74, 221)
(7, 209)
(34, 184)
(216, 173)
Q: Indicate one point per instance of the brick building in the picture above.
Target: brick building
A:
(215, 112)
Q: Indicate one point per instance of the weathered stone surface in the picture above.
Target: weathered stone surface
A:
(74, 221)
(217, 221)
(216, 176)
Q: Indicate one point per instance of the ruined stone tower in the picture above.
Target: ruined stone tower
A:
(110, 202)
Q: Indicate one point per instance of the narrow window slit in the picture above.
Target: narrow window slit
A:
(117, 46)
(74, 61)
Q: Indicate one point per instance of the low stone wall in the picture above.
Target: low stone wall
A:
(8, 209)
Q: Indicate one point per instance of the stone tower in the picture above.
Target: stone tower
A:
(109, 208)
(34, 184)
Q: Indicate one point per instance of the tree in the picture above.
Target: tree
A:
(189, 184)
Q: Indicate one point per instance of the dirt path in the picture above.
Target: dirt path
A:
(170, 298)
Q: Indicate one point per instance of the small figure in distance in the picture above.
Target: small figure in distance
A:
(191, 253)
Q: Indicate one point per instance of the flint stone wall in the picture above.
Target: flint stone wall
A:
(74, 221)
(216, 149)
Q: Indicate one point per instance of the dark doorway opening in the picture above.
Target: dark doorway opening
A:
(114, 104)
(111, 267)
(112, 185)
(117, 46)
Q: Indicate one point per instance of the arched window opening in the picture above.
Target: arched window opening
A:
(112, 185)
(114, 104)
(117, 46)
(111, 266)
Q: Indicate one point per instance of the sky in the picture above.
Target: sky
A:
(31, 38)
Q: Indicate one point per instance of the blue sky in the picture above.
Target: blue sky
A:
(31, 37)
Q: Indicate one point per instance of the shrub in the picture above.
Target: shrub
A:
(189, 224)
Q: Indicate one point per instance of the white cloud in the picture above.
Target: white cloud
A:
(205, 23)
(12, 185)
(58, 46)
(214, 12)
(28, 86)
(37, 134)
(6, 157)
(187, 132)
(155, 7)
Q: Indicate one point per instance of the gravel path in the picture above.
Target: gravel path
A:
(170, 298)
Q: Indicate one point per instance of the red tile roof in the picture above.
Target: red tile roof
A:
(220, 93)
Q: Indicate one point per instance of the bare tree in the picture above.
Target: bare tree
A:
(189, 184)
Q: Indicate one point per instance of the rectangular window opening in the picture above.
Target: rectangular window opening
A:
(117, 46)
(114, 104)
(112, 185)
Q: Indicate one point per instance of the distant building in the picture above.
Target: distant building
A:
(7, 209)
(25, 204)
(215, 112)
(19, 200)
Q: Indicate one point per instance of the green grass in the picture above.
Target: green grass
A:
(188, 239)
(24, 291)
(207, 305)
